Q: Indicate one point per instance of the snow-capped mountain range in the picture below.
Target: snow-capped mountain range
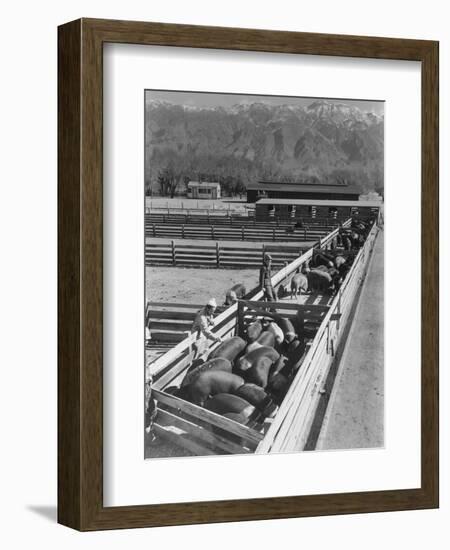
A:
(318, 142)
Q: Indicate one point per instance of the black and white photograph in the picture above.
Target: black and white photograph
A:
(264, 274)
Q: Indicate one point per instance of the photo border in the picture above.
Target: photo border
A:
(80, 274)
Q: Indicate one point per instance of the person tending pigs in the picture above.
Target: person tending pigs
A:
(265, 278)
(202, 324)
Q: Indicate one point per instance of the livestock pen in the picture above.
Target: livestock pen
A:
(202, 432)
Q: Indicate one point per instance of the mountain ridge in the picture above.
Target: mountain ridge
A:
(323, 141)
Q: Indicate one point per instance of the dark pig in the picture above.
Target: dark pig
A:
(228, 349)
(266, 338)
(257, 397)
(322, 259)
(211, 383)
(259, 372)
(216, 364)
(254, 330)
(250, 359)
(318, 280)
(277, 387)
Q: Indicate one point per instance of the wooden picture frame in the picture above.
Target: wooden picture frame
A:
(80, 272)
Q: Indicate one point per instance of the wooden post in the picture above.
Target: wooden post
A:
(301, 320)
(154, 230)
(263, 251)
(212, 232)
(218, 254)
(243, 233)
(240, 319)
(338, 322)
(182, 231)
(273, 234)
(174, 260)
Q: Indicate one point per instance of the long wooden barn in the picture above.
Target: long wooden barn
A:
(307, 209)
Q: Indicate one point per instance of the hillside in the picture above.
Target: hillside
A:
(324, 141)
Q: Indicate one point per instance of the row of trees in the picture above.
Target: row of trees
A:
(169, 172)
(171, 182)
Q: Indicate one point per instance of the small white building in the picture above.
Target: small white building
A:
(203, 190)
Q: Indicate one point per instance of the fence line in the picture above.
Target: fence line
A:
(216, 255)
(236, 219)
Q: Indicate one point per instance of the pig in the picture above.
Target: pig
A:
(336, 278)
(319, 281)
(257, 397)
(299, 283)
(288, 329)
(251, 359)
(259, 373)
(215, 364)
(228, 349)
(322, 259)
(254, 330)
(277, 332)
(339, 260)
(211, 383)
(225, 403)
(277, 387)
(236, 292)
(266, 338)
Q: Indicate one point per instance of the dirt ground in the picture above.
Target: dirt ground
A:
(194, 285)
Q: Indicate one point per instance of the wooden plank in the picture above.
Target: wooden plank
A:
(173, 325)
(161, 382)
(166, 336)
(181, 247)
(175, 315)
(249, 435)
(216, 442)
(177, 305)
(180, 441)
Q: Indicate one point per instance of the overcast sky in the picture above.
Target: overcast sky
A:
(207, 99)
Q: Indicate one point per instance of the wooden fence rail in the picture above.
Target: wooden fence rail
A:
(216, 255)
(237, 220)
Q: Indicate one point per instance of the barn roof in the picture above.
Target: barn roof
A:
(320, 202)
(303, 188)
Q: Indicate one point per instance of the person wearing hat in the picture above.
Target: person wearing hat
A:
(265, 278)
(203, 322)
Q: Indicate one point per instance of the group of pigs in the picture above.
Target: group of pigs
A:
(326, 271)
(246, 378)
